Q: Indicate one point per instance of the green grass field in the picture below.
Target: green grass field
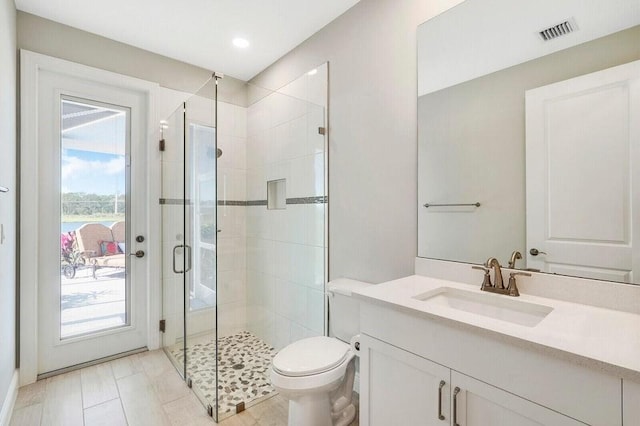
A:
(92, 218)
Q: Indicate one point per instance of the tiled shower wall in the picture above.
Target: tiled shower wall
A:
(286, 247)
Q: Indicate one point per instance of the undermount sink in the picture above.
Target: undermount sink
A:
(503, 308)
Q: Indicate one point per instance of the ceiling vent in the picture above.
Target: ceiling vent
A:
(558, 30)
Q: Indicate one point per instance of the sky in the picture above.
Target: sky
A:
(92, 172)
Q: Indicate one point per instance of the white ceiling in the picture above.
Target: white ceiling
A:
(199, 32)
(479, 37)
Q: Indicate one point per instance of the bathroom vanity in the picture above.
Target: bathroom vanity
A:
(441, 352)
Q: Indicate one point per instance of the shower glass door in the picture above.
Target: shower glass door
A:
(189, 241)
(201, 282)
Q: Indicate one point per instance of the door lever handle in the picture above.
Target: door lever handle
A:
(535, 252)
(139, 253)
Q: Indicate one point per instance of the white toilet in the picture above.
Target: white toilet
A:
(316, 374)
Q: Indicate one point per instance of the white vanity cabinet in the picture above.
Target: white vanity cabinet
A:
(404, 356)
(398, 387)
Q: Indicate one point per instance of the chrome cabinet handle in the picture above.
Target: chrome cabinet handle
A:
(440, 416)
(456, 391)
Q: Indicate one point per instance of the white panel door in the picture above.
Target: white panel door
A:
(400, 388)
(86, 169)
(583, 155)
(479, 404)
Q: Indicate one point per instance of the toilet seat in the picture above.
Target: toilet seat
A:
(311, 356)
(290, 372)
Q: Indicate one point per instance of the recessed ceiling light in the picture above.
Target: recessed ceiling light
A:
(240, 42)
(313, 71)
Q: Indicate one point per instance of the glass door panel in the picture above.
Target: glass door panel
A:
(189, 242)
(94, 283)
(173, 205)
(201, 237)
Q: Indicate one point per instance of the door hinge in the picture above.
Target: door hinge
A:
(161, 145)
(322, 130)
(163, 325)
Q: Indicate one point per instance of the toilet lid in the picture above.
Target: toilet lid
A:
(310, 356)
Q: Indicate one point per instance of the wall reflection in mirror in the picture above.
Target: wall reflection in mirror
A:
(543, 134)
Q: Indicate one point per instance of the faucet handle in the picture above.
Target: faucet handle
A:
(512, 288)
(486, 282)
(482, 268)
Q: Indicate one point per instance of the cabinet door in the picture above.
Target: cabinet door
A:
(400, 388)
(479, 404)
(631, 402)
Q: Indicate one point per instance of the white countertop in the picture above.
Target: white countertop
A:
(608, 338)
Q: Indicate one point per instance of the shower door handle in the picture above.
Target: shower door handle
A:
(187, 248)
(175, 270)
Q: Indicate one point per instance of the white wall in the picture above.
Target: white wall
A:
(8, 224)
(371, 51)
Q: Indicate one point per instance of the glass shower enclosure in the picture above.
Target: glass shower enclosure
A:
(244, 218)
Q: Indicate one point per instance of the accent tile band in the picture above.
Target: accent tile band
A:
(322, 199)
(174, 201)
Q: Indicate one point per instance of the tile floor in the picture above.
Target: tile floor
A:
(142, 389)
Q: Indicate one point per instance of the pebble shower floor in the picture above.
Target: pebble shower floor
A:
(243, 370)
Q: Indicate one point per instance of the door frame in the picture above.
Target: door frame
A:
(31, 64)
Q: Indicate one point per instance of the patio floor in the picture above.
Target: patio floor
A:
(89, 304)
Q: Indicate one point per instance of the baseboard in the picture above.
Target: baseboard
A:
(10, 400)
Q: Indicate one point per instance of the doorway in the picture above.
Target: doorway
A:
(84, 287)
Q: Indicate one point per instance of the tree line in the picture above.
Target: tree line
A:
(81, 203)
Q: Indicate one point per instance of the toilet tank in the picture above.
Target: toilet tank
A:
(344, 310)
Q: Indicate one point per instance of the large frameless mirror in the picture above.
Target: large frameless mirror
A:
(526, 136)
